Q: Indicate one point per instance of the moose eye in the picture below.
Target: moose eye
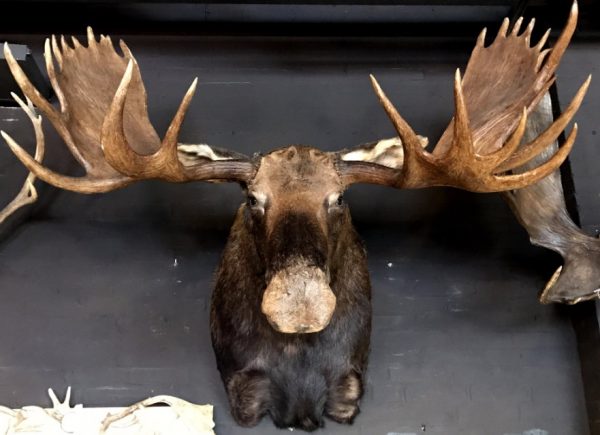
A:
(251, 201)
(334, 202)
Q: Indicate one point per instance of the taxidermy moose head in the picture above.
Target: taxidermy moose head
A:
(291, 313)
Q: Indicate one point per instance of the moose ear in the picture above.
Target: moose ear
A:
(191, 154)
(386, 152)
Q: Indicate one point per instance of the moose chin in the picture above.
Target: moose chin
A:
(290, 316)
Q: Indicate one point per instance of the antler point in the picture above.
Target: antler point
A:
(517, 26)
(504, 27)
(67, 396)
(375, 84)
(481, 37)
(457, 76)
(192, 88)
(53, 398)
(129, 68)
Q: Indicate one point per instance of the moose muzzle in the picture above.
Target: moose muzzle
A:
(298, 300)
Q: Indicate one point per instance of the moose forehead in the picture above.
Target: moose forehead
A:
(296, 170)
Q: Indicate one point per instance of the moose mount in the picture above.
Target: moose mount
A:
(291, 313)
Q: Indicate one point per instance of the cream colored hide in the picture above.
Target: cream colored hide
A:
(179, 417)
(386, 152)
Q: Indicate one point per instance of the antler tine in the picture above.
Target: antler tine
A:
(513, 143)
(542, 41)
(481, 38)
(462, 146)
(28, 193)
(27, 87)
(529, 31)
(517, 181)
(75, 184)
(410, 140)
(64, 46)
(76, 43)
(414, 157)
(52, 76)
(542, 58)
(164, 163)
(91, 38)
(541, 142)
(517, 26)
(503, 29)
(56, 51)
(500, 156)
(169, 142)
(561, 44)
(36, 120)
(117, 151)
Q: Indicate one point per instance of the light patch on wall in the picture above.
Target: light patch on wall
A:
(531, 432)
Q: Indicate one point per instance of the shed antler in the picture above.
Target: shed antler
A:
(103, 120)
(28, 193)
(502, 84)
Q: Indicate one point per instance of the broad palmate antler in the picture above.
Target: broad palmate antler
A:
(502, 84)
(501, 80)
(104, 122)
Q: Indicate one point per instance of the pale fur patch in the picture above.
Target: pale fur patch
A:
(387, 152)
(201, 150)
(261, 197)
(343, 411)
(365, 155)
(332, 198)
(351, 388)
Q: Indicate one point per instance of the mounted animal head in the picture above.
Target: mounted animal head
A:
(294, 207)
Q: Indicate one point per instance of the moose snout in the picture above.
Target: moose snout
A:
(298, 300)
